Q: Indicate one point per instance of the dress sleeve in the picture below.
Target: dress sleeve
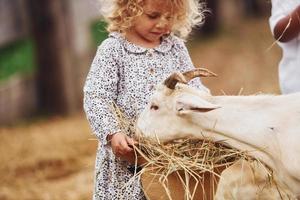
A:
(187, 64)
(101, 90)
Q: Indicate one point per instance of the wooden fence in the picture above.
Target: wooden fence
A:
(13, 21)
(17, 99)
(18, 94)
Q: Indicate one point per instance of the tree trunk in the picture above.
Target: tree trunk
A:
(56, 82)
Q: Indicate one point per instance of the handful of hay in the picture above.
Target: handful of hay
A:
(197, 165)
(192, 165)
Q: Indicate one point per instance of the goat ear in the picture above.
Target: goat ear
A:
(190, 103)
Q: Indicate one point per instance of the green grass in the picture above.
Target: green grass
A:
(15, 58)
(98, 32)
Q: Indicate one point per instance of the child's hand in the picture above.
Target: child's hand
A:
(120, 144)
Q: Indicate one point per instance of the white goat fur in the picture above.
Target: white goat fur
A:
(267, 126)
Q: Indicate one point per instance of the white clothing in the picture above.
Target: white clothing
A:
(289, 66)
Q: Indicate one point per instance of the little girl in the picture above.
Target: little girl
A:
(144, 46)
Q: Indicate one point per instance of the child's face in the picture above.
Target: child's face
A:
(156, 21)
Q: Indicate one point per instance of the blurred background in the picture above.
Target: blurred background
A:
(46, 46)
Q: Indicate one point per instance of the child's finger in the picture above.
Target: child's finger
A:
(129, 140)
(124, 147)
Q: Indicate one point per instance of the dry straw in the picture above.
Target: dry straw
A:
(191, 156)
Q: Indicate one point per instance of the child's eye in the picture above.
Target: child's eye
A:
(153, 16)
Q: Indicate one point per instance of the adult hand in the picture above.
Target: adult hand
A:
(121, 146)
(288, 27)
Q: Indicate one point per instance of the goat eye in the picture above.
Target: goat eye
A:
(154, 107)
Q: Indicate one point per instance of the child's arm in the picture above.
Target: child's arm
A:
(101, 90)
(288, 27)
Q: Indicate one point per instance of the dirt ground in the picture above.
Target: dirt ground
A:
(50, 159)
(54, 158)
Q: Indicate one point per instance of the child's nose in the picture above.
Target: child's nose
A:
(163, 22)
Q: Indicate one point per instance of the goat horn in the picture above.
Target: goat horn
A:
(198, 72)
(173, 79)
(176, 77)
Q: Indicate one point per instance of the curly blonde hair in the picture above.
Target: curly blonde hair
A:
(120, 14)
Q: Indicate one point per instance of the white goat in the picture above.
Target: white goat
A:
(266, 126)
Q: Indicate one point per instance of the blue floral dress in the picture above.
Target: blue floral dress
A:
(126, 74)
